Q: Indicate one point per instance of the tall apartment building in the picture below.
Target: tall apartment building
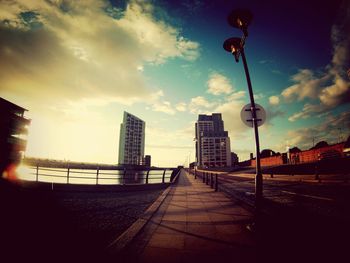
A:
(131, 140)
(13, 130)
(213, 147)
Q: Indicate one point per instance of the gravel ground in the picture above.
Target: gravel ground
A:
(46, 226)
(104, 216)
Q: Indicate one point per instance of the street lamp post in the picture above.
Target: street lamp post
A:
(241, 18)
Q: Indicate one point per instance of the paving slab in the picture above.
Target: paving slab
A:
(197, 224)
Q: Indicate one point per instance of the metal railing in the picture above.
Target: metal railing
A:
(99, 175)
(209, 178)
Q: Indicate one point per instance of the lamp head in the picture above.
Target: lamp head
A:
(234, 46)
(240, 18)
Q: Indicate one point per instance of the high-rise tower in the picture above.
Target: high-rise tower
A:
(131, 140)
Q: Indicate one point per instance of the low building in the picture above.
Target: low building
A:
(13, 131)
(234, 159)
(148, 160)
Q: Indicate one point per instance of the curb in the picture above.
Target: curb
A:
(121, 242)
(298, 180)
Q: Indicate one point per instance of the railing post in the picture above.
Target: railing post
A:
(203, 178)
(37, 172)
(68, 175)
(216, 182)
(97, 173)
(317, 177)
(163, 176)
(195, 174)
(206, 178)
(147, 176)
(211, 180)
(124, 175)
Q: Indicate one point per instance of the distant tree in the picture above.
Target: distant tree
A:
(294, 150)
(267, 153)
(347, 143)
(320, 144)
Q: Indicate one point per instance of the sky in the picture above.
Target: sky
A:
(78, 65)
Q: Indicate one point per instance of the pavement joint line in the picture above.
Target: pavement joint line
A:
(129, 234)
(227, 222)
(205, 237)
(173, 194)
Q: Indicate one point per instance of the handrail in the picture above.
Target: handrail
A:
(210, 178)
(123, 176)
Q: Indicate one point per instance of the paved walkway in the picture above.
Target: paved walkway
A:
(196, 224)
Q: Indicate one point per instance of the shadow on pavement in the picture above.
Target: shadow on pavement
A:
(295, 236)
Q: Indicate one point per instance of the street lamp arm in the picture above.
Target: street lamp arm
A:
(250, 89)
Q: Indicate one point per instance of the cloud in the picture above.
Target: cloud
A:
(298, 115)
(158, 103)
(336, 94)
(271, 114)
(181, 106)
(230, 108)
(307, 86)
(231, 112)
(259, 96)
(328, 92)
(330, 88)
(201, 101)
(218, 84)
(332, 129)
(236, 95)
(341, 40)
(307, 111)
(52, 51)
(327, 97)
(276, 71)
(158, 40)
(163, 106)
(274, 100)
(200, 104)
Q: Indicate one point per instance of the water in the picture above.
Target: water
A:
(88, 176)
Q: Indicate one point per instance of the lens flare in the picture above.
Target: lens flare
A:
(10, 173)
